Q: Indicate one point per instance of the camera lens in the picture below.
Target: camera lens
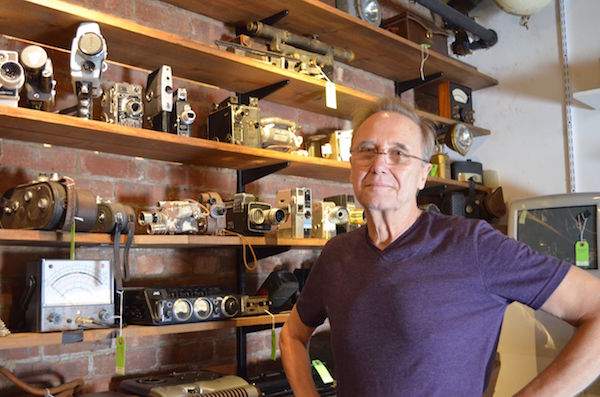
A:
(230, 306)
(90, 44)
(11, 75)
(134, 108)
(256, 216)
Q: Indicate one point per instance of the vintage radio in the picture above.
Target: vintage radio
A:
(39, 78)
(189, 384)
(182, 117)
(455, 102)
(159, 98)
(250, 217)
(254, 305)
(236, 123)
(465, 170)
(63, 295)
(176, 305)
(356, 216)
(122, 104)
(418, 30)
(298, 201)
(326, 217)
(12, 78)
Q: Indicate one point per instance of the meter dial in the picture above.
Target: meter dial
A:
(182, 309)
(75, 283)
(203, 308)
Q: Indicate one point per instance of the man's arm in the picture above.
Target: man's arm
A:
(293, 343)
(577, 301)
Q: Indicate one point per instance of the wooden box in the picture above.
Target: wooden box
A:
(418, 30)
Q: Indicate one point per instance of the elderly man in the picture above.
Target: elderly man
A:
(415, 300)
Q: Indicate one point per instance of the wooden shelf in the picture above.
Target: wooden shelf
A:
(376, 49)
(55, 23)
(31, 339)
(55, 238)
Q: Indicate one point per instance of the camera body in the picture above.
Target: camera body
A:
(279, 133)
(12, 78)
(182, 116)
(216, 221)
(39, 78)
(356, 216)
(326, 217)
(236, 123)
(123, 105)
(250, 217)
(173, 217)
(159, 98)
(298, 201)
(88, 62)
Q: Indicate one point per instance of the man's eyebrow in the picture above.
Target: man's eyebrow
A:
(395, 145)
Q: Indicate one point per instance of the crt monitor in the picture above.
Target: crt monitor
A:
(562, 225)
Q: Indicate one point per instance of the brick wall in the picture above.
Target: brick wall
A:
(140, 183)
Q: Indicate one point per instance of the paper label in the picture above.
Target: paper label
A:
(120, 367)
(273, 345)
(330, 95)
(522, 217)
(582, 253)
(322, 371)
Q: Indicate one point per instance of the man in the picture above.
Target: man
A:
(415, 300)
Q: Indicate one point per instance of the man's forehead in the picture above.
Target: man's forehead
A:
(389, 127)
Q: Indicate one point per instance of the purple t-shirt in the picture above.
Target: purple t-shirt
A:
(422, 317)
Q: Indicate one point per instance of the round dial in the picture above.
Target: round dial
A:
(203, 308)
(82, 282)
(230, 306)
(182, 309)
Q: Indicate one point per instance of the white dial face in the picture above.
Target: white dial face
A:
(460, 96)
(75, 283)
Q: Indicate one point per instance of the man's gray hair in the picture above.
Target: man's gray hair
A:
(394, 104)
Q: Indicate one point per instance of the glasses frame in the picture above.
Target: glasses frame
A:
(386, 158)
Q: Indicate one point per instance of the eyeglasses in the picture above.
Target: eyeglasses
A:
(366, 155)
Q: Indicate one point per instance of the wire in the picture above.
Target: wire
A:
(244, 243)
(424, 57)
(63, 390)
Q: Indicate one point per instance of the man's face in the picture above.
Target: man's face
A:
(378, 184)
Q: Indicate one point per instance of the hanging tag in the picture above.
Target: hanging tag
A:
(72, 250)
(322, 371)
(273, 345)
(522, 217)
(330, 95)
(582, 253)
(120, 367)
(434, 170)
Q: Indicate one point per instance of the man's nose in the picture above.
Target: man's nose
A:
(380, 162)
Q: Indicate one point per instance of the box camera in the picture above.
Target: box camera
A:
(182, 116)
(298, 201)
(122, 105)
(88, 62)
(334, 145)
(356, 216)
(12, 78)
(326, 216)
(215, 222)
(250, 217)
(236, 123)
(159, 98)
(39, 78)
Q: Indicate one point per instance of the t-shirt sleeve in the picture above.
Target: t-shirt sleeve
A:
(310, 305)
(515, 272)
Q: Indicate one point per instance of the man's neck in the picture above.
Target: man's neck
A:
(386, 226)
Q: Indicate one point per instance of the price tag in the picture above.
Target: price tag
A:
(330, 95)
(582, 253)
(273, 345)
(120, 367)
(522, 217)
(434, 170)
(322, 371)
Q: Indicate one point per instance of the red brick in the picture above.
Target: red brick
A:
(150, 265)
(18, 354)
(19, 154)
(206, 30)
(364, 81)
(139, 194)
(70, 369)
(187, 353)
(108, 165)
(162, 16)
(140, 360)
(206, 265)
(57, 159)
(54, 350)
(155, 171)
(97, 187)
(97, 386)
(113, 7)
(219, 180)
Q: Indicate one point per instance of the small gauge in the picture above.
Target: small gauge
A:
(460, 95)
(230, 306)
(182, 309)
(203, 308)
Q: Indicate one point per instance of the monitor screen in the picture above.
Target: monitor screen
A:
(557, 232)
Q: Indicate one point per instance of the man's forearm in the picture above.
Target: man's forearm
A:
(574, 368)
(296, 364)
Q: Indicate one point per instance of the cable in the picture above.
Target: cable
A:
(244, 243)
(64, 390)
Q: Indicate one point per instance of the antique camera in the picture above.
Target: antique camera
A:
(48, 203)
(159, 98)
(250, 217)
(236, 123)
(88, 62)
(356, 216)
(173, 217)
(455, 102)
(298, 202)
(12, 78)
(113, 215)
(278, 133)
(182, 116)
(334, 145)
(326, 217)
(39, 78)
(123, 105)
(216, 221)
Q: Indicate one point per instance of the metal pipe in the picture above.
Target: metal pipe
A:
(454, 17)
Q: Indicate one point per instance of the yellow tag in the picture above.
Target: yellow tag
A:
(120, 367)
(330, 95)
(522, 217)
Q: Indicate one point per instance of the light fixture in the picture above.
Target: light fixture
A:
(459, 138)
(367, 10)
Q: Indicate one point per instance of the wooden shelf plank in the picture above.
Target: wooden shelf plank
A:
(31, 339)
(376, 49)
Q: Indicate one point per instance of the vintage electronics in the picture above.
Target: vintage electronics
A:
(123, 104)
(235, 122)
(111, 215)
(180, 217)
(48, 203)
(66, 295)
(465, 170)
(298, 201)
(356, 216)
(277, 133)
(182, 116)
(254, 305)
(250, 217)
(12, 78)
(367, 10)
(418, 30)
(279, 286)
(176, 305)
(88, 62)
(215, 221)
(326, 216)
(189, 384)
(334, 145)
(39, 78)
(159, 98)
(455, 102)
(555, 225)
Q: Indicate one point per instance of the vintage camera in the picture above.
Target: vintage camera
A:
(279, 133)
(39, 78)
(216, 221)
(12, 78)
(113, 215)
(173, 217)
(88, 62)
(236, 123)
(182, 116)
(326, 217)
(334, 145)
(356, 216)
(123, 105)
(298, 201)
(250, 217)
(159, 98)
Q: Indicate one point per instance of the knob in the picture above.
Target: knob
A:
(54, 318)
(104, 315)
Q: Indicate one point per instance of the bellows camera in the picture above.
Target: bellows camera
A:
(12, 78)
(123, 105)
